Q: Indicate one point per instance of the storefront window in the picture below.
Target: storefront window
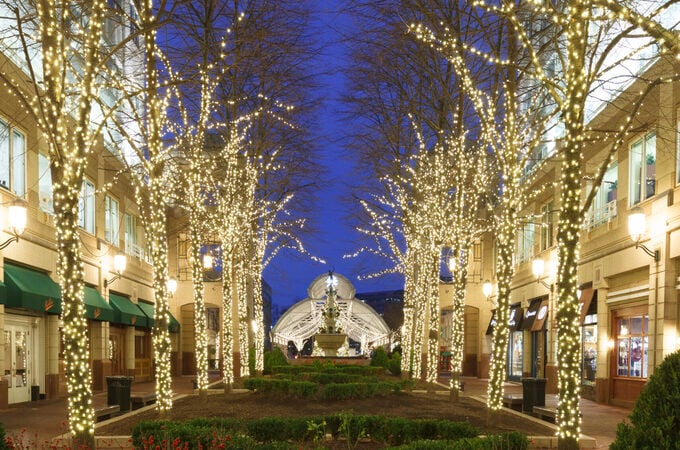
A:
(516, 354)
(589, 340)
(632, 346)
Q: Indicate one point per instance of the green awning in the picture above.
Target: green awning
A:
(150, 311)
(30, 289)
(3, 293)
(96, 307)
(127, 312)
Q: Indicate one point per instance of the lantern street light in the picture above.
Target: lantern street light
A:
(172, 286)
(538, 268)
(119, 265)
(17, 222)
(637, 223)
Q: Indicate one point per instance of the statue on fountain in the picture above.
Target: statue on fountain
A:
(330, 336)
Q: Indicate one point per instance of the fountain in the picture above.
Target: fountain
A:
(330, 336)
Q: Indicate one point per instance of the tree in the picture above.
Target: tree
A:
(58, 45)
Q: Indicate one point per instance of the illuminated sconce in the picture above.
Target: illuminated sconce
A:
(16, 218)
(207, 262)
(452, 263)
(172, 286)
(487, 289)
(538, 268)
(610, 344)
(637, 224)
(119, 264)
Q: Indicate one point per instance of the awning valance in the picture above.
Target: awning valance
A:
(150, 312)
(30, 289)
(96, 307)
(126, 312)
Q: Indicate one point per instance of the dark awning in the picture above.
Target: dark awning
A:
(30, 289)
(541, 315)
(530, 314)
(150, 312)
(3, 293)
(584, 302)
(96, 307)
(492, 322)
(515, 317)
(127, 312)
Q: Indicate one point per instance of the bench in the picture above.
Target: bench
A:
(513, 402)
(106, 412)
(545, 413)
(139, 400)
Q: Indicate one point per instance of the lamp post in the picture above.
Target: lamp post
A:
(637, 224)
(16, 218)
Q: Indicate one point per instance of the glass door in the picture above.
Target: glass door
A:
(17, 367)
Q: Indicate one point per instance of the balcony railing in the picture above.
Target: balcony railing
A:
(137, 252)
(600, 216)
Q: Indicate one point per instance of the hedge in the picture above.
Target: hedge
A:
(275, 430)
(330, 391)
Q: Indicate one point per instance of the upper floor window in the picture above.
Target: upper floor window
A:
(603, 207)
(112, 220)
(12, 159)
(86, 207)
(677, 158)
(525, 243)
(547, 226)
(642, 168)
(45, 198)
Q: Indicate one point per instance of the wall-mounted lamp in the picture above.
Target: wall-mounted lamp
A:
(610, 344)
(119, 264)
(538, 268)
(487, 289)
(637, 223)
(172, 286)
(207, 262)
(16, 218)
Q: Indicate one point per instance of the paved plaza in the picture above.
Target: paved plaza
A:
(46, 419)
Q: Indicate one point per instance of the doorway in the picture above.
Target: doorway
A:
(18, 362)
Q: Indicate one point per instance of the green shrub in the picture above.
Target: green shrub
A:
(284, 387)
(505, 441)
(394, 364)
(380, 358)
(655, 419)
(3, 438)
(274, 358)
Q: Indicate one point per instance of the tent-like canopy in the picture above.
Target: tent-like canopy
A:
(303, 319)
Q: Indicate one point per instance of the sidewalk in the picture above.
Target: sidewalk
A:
(45, 419)
(40, 421)
(598, 420)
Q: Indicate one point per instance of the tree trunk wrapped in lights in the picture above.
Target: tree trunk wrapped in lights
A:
(242, 307)
(227, 320)
(61, 101)
(200, 319)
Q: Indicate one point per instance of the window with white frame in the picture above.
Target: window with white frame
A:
(547, 226)
(642, 180)
(45, 198)
(525, 243)
(12, 159)
(603, 207)
(111, 220)
(86, 207)
(677, 154)
(132, 239)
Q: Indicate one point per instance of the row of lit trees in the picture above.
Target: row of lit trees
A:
(77, 62)
(569, 49)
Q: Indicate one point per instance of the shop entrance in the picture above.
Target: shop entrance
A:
(18, 362)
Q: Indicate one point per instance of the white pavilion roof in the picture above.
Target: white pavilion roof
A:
(303, 319)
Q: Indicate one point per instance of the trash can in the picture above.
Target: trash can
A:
(533, 393)
(118, 391)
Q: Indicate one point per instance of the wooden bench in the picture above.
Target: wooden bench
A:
(139, 400)
(513, 402)
(106, 412)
